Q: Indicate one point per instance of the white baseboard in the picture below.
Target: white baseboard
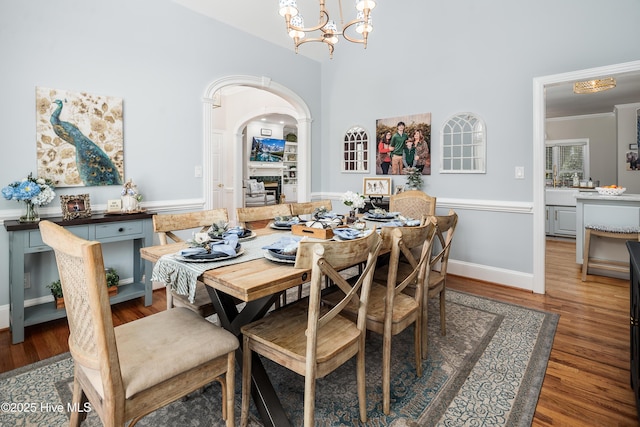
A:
(4, 316)
(501, 276)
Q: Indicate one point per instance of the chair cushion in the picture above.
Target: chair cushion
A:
(158, 347)
(247, 184)
(256, 188)
(628, 229)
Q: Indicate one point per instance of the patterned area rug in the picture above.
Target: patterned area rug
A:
(487, 371)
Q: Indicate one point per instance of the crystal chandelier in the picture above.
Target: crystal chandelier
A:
(327, 29)
(592, 86)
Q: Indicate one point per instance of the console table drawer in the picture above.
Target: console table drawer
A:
(35, 239)
(127, 228)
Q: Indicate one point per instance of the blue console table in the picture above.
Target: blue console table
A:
(25, 239)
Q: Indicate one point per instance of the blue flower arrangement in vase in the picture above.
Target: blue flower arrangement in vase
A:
(34, 192)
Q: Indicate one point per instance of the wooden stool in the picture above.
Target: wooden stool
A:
(624, 233)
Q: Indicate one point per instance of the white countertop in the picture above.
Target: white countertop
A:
(624, 197)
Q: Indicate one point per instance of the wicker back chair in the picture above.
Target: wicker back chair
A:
(130, 371)
(413, 204)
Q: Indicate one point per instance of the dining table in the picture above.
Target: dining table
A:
(250, 278)
(256, 281)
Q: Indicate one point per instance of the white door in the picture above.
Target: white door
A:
(217, 173)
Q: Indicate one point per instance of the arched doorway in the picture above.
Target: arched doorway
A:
(222, 180)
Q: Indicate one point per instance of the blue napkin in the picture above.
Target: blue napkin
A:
(234, 231)
(287, 244)
(192, 251)
(412, 222)
(289, 222)
(219, 248)
(347, 233)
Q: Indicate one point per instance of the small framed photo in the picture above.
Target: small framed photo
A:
(377, 187)
(399, 189)
(633, 146)
(77, 206)
(265, 132)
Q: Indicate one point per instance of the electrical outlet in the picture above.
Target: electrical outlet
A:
(198, 172)
(519, 172)
(27, 280)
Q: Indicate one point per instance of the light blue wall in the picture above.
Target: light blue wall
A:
(438, 57)
(463, 55)
(158, 56)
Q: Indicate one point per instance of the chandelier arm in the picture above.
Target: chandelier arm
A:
(365, 34)
(324, 18)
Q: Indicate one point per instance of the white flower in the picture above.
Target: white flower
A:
(45, 196)
(353, 200)
(201, 238)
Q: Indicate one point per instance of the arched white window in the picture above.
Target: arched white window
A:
(463, 144)
(355, 151)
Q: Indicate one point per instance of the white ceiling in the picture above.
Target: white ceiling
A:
(562, 102)
(261, 18)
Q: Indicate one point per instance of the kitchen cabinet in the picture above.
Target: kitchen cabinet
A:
(561, 221)
(25, 241)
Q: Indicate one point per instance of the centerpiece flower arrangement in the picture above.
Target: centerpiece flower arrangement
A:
(130, 196)
(354, 201)
(33, 192)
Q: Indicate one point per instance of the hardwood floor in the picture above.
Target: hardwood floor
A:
(587, 378)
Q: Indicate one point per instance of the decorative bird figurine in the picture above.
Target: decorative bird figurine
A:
(94, 166)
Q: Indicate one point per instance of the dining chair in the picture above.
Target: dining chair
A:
(446, 226)
(247, 216)
(166, 226)
(307, 208)
(391, 311)
(131, 370)
(413, 204)
(306, 337)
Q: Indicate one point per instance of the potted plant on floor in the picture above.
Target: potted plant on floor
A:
(56, 290)
(112, 281)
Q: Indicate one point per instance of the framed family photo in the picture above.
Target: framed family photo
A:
(74, 207)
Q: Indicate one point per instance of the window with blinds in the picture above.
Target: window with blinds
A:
(355, 150)
(564, 158)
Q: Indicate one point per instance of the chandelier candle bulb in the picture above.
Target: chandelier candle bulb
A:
(327, 27)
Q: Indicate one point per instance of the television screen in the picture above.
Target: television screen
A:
(267, 150)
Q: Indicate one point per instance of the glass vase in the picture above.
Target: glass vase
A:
(31, 213)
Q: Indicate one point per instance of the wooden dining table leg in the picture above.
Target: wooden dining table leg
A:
(264, 396)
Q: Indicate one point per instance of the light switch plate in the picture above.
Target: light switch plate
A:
(519, 172)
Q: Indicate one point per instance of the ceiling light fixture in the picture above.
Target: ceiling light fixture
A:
(593, 86)
(327, 27)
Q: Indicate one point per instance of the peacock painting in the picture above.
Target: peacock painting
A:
(81, 142)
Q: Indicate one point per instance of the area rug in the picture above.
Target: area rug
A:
(487, 371)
